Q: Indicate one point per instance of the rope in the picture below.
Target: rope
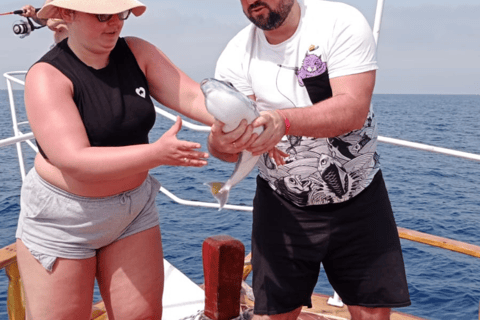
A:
(198, 316)
(246, 314)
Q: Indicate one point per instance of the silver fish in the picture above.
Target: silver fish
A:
(230, 106)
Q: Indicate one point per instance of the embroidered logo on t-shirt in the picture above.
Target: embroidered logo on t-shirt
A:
(312, 66)
(141, 92)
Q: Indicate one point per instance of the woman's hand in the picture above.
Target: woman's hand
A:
(176, 152)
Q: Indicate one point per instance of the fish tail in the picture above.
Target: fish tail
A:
(222, 197)
(220, 192)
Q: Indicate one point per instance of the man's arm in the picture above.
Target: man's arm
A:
(29, 11)
(345, 111)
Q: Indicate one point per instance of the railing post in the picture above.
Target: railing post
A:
(223, 258)
(16, 131)
(15, 300)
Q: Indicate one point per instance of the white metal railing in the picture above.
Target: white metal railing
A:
(378, 20)
(426, 147)
(10, 77)
(19, 137)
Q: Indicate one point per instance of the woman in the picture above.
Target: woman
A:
(88, 206)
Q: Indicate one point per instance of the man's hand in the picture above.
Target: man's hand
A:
(227, 146)
(29, 11)
(274, 129)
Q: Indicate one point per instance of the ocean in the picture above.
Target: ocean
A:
(431, 193)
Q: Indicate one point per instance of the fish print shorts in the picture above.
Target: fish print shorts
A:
(55, 224)
(356, 241)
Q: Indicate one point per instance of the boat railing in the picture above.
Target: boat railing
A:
(20, 136)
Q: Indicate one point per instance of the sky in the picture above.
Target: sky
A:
(425, 46)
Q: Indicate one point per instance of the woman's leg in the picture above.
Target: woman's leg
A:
(64, 293)
(130, 276)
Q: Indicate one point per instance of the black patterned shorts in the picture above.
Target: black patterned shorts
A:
(356, 241)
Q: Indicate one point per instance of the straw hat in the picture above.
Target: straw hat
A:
(50, 9)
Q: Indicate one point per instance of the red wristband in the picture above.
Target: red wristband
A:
(287, 122)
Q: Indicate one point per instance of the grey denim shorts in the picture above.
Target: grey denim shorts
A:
(55, 224)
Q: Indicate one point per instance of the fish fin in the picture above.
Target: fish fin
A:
(219, 192)
(215, 186)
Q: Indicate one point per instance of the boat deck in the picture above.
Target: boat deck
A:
(320, 307)
(321, 310)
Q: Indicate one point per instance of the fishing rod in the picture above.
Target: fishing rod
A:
(23, 28)
(17, 12)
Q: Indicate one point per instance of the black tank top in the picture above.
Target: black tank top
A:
(114, 102)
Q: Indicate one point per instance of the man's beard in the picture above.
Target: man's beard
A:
(274, 19)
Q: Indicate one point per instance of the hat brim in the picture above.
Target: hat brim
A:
(50, 10)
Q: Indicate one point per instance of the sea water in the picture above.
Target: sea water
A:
(430, 193)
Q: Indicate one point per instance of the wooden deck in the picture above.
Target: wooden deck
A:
(320, 307)
(321, 310)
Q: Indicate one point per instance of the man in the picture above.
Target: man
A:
(310, 66)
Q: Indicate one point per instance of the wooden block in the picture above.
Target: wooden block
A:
(8, 255)
(223, 258)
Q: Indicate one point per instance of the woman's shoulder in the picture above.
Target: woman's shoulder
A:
(138, 46)
(45, 75)
(142, 50)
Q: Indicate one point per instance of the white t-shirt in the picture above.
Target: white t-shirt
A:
(332, 40)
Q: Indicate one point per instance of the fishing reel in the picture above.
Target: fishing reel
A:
(23, 28)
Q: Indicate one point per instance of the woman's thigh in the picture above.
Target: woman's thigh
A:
(130, 276)
(66, 292)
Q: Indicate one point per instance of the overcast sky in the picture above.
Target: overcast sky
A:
(426, 46)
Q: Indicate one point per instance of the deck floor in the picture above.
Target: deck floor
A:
(321, 307)
(321, 310)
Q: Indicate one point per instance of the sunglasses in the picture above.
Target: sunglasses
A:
(121, 16)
